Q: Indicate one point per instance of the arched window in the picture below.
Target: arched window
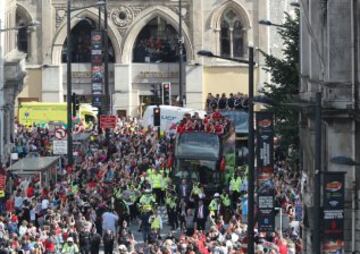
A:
(81, 43)
(156, 43)
(231, 35)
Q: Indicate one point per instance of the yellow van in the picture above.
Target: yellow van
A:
(42, 113)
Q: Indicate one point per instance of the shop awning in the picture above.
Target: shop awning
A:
(34, 164)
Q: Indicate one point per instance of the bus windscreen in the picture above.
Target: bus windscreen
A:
(198, 146)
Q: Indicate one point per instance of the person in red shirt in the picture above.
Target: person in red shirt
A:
(282, 244)
(219, 128)
(181, 127)
(30, 191)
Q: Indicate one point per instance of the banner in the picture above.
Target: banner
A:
(97, 70)
(265, 171)
(333, 221)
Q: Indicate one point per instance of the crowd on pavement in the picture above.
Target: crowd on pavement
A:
(235, 101)
(123, 179)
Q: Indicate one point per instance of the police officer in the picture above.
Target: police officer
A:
(215, 206)
(226, 207)
(171, 207)
(155, 225)
(146, 204)
(234, 187)
(156, 185)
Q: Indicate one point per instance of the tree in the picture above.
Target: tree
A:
(284, 83)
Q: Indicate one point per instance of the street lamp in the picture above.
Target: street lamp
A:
(269, 23)
(70, 155)
(251, 187)
(32, 24)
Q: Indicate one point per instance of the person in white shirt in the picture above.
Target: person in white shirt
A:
(18, 200)
(45, 204)
(109, 221)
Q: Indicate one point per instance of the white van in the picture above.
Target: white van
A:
(170, 116)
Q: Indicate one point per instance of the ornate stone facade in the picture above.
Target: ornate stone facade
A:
(126, 19)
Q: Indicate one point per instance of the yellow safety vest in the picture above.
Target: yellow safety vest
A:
(235, 184)
(156, 183)
(155, 224)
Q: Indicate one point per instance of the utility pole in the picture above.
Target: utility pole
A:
(69, 88)
(181, 49)
(317, 176)
(251, 187)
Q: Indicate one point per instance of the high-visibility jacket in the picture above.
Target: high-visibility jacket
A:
(164, 183)
(170, 202)
(214, 205)
(235, 184)
(155, 223)
(225, 200)
(156, 181)
(146, 202)
(196, 190)
(70, 249)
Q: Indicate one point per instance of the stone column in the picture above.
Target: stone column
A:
(123, 98)
(52, 84)
(195, 98)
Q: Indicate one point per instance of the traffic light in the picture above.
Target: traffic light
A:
(157, 117)
(166, 93)
(76, 103)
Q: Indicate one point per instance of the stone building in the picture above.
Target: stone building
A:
(143, 42)
(12, 74)
(330, 65)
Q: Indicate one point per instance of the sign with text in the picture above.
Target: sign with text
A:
(266, 215)
(265, 171)
(108, 122)
(97, 73)
(333, 221)
(59, 147)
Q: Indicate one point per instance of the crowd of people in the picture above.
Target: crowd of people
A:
(124, 179)
(236, 101)
(214, 122)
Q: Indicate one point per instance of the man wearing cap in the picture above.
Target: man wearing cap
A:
(70, 247)
(146, 201)
(215, 205)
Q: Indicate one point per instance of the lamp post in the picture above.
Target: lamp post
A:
(70, 156)
(251, 176)
(181, 59)
(269, 23)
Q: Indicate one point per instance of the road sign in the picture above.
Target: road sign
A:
(107, 122)
(59, 147)
(60, 133)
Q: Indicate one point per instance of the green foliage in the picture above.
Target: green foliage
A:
(284, 85)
